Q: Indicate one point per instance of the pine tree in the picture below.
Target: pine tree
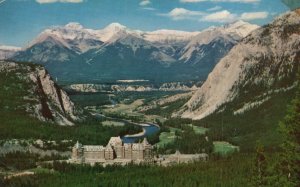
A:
(288, 167)
(2, 182)
(259, 175)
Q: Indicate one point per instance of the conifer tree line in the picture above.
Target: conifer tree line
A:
(284, 169)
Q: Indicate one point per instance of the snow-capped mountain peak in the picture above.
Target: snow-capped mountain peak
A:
(72, 36)
(236, 24)
(112, 32)
(74, 26)
(115, 27)
(231, 33)
(240, 27)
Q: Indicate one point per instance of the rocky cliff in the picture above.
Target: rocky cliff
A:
(43, 98)
(265, 62)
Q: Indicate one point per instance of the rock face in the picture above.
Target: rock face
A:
(264, 62)
(45, 100)
(72, 52)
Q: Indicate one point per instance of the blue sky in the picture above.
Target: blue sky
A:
(22, 20)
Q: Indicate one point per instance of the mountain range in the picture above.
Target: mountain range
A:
(73, 53)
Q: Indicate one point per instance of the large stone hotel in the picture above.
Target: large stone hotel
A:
(115, 152)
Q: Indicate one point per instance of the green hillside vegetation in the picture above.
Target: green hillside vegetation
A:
(244, 129)
(167, 109)
(256, 124)
(24, 160)
(224, 172)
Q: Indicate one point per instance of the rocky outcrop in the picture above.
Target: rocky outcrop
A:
(61, 109)
(266, 59)
(45, 100)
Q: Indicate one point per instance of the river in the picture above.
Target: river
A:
(148, 129)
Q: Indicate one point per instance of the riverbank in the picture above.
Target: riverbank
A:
(140, 134)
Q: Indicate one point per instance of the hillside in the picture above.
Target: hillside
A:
(262, 64)
(29, 90)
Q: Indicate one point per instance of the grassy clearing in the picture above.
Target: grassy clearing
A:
(198, 130)
(40, 170)
(125, 108)
(153, 118)
(113, 123)
(224, 148)
(167, 137)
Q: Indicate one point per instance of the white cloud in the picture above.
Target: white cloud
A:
(221, 16)
(182, 13)
(149, 8)
(59, 1)
(229, 1)
(213, 14)
(145, 3)
(254, 15)
(214, 8)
